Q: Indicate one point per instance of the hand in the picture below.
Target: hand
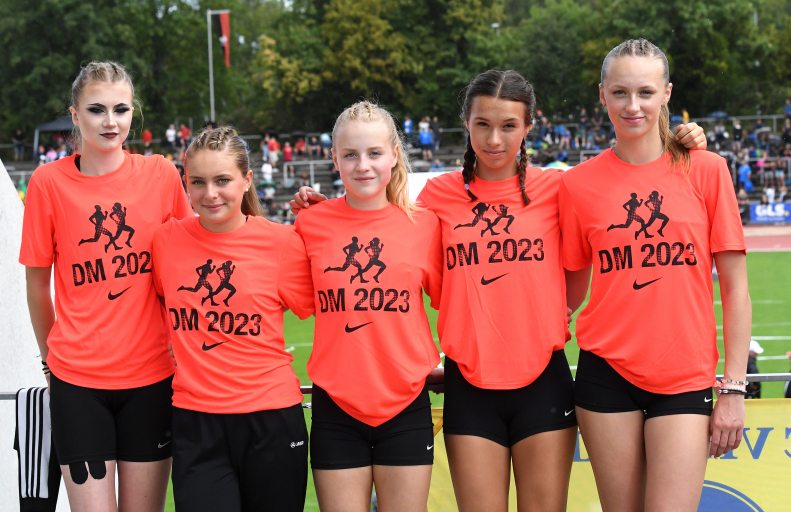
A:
(437, 376)
(727, 424)
(569, 312)
(691, 136)
(304, 197)
(170, 349)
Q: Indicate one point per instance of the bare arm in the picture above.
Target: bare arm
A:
(577, 287)
(727, 421)
(39, 303)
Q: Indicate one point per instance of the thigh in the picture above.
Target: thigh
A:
(542, 469)
(344, 490)
(616, 450)
(272, 462)
(402, 488)
(92, 495)
(406, 439)
(204, 479)
(144, 423)
(83, 427)
(676, 453)
(142, 486)
(481, 473)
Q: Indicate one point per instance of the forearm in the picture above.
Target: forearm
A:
(577, 287)
(42, 314)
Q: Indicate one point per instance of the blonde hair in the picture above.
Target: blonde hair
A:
(398, 187)
(679, 155)
(225, 138)
(104, 72)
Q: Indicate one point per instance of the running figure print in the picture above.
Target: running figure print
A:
(373, 250)
(204, 271)
(481, 209)
(654, 204)
(117, 215)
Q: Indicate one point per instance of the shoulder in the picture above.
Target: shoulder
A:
(444, 183)
(584, 169)
(275, 232)
(52, 172)
(163, 232)
(319, 209)
(425, 219)
(706, 159)
(154, 163)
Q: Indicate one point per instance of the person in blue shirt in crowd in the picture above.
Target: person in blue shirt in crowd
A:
(788, 107)
(408, 128)
(744, 176)
(437, 166)
(426, 144)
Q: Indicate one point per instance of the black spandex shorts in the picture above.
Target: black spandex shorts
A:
(506, 416)
(240, 462)
(340, 441)
(599, 388)
(111, 424)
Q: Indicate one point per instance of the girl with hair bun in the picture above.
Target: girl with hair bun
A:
(240, 442)
(502, 315)
(647, 338)
(110, 380)
(372, 255)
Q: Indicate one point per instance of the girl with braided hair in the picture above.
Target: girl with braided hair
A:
(503, 317)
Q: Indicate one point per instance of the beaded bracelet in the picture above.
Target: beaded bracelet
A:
(45, 367)
(732, 391)
(737, 382)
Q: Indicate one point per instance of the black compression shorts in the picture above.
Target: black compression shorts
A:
(599, 388)
(340, 441)
(507, 416)
(132, 425)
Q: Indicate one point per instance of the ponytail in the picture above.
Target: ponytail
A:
(468, 171)
(679, 154)
(521, 167)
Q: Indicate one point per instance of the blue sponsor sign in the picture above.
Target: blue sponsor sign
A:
(769, 213)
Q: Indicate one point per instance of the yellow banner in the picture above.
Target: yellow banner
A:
(756, 477)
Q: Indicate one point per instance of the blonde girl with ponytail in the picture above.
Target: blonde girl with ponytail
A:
(372, 254)
(645, 383)
(226, 276)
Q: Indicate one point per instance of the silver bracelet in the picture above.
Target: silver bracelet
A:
(732, 391)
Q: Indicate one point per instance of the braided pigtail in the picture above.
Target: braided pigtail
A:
(468, 171)
(521, 167)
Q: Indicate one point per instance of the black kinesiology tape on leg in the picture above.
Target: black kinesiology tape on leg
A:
(97, 468)
(79, 473)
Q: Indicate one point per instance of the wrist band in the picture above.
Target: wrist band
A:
(737, 382)
(45, 367)
(732, 391)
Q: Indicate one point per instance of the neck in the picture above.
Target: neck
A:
(376, 202)
(639, 150)
(97, 163)
(226, 226)
(487, 173)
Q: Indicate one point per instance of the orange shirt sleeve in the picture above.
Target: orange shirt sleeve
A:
(576, 249)
(294, 280)
(722, 209)
(175, 203)
(159, 244)
(433, 282)
(38, 228)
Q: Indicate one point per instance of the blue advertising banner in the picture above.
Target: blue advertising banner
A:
(770, 213)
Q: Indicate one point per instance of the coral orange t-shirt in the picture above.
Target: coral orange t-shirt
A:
(650, 234)
(97, 230)
(503, 308)
(225, 294)
(373, 347)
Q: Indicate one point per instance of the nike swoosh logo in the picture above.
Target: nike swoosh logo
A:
(162, 445)
(112, 296)
(708, 399)
(209, 347)
(485, 281)
(569, 412)
(352, 329)
(429, 447)
(638, 286)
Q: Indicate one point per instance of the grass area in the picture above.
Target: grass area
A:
(770, 289)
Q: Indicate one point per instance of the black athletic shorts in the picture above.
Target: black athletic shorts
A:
(240, 462)
(89, 424)
(340, 441)
(506, 416)
(599, 388)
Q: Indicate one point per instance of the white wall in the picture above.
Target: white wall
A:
(20, 366)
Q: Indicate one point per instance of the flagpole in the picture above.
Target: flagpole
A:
(211, 64)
